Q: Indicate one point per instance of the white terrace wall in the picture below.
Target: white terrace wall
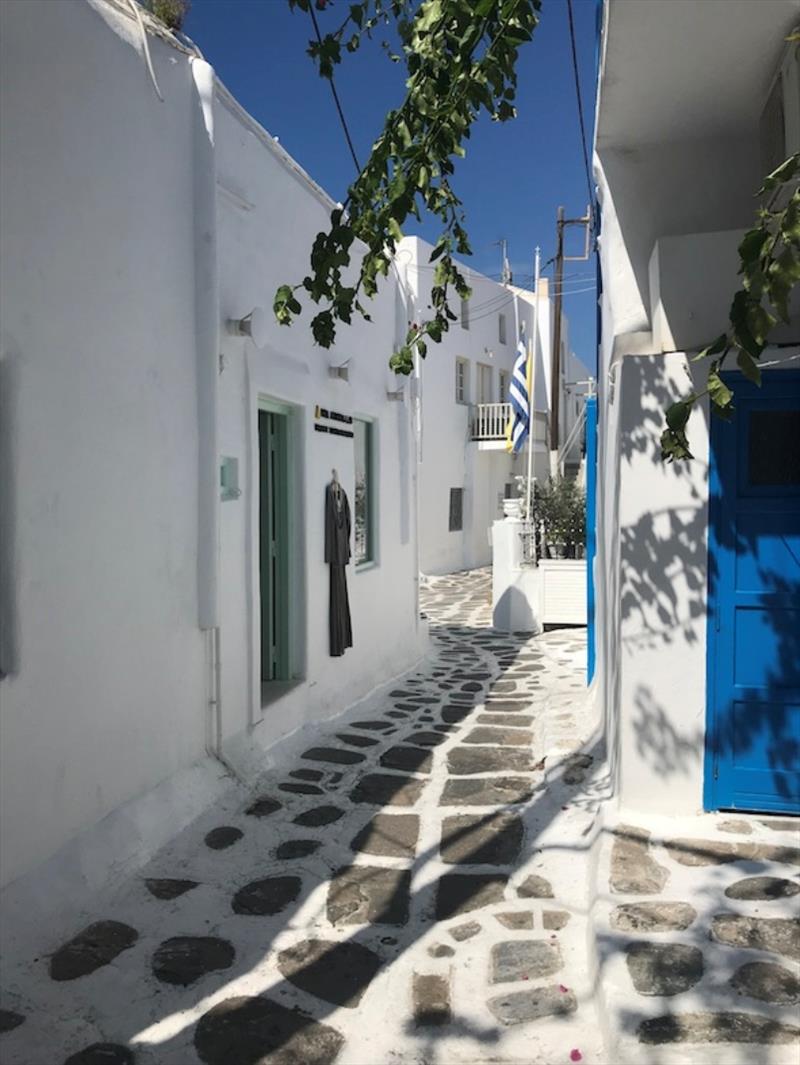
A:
(268, 214)
(104, 693)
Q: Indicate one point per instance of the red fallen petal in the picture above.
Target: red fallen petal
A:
(575, 1055)
(563, 989)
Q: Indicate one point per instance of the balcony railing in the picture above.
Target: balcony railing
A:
(488, 421)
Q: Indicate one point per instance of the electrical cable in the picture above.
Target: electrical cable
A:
(336, 100)
(146, 49)
(589, 183)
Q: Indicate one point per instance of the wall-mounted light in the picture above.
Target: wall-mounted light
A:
(342, 371)
(254, 325)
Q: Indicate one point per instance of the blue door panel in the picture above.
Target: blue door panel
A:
(772, 544)
(753, 705)
(759, 661)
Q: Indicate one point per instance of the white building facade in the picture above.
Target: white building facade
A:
(697, 568)
(465, 469)
(158, 462)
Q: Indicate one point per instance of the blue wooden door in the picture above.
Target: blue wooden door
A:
(753, 719)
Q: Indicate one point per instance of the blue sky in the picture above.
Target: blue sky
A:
(515, 175)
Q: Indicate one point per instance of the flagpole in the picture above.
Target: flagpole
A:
(532, 383)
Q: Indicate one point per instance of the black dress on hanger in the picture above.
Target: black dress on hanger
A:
(337, 555)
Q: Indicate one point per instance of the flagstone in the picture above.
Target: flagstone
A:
(465, 761)
(519, 1007)
(256, 1030)
(633, 870)
(219, 839)
(762, 888)
(102, 1054)
(268, 896)
(390, 835)
(364, 894)
(430, 999)
(709, 1027)
(164, 888)
(778, 935)
(663, 968)
(504, 737)
(338, 973)
(486, 791)
(652, 916)
(91, 949)
(767, 982)
(183, 960)
(484, 839)
(319, 816)
(459, 893)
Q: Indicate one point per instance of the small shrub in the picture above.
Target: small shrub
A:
(171, 12)
(560, 504)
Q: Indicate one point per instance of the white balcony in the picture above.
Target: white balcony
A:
(488, 423)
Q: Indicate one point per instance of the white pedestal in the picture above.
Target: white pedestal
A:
(516, 591)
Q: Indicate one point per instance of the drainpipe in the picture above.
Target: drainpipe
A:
(206, 329)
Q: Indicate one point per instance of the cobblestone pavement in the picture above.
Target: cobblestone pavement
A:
(699, 939)
(431, 882)
(388, 897)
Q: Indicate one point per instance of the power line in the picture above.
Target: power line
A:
(342, 119)
(580, 103)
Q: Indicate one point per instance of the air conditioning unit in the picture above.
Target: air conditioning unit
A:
(779, 127)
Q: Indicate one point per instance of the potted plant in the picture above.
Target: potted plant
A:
(560, 506)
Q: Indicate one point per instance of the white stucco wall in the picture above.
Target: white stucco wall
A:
(100, 639)
(662, 515)
(672, 204)
(449, 458)
(265, 233)
(108, 444)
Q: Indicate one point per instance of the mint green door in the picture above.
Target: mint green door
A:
(274, 546)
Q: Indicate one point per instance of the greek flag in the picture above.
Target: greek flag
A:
(517, 430)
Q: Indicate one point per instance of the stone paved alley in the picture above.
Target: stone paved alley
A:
(433, 881)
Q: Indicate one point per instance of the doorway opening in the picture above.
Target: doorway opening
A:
(274, 551)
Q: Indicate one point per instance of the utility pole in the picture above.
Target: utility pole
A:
(555, 377)
(531, 374)
(555, 381)
(505, 274)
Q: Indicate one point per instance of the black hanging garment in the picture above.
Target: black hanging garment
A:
(337, 555)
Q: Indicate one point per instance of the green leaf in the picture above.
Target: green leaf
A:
(678, 413)
(785, 172)
(752, 244)
(749, 367)
(718, 346)
(719, 393)
(674, 445)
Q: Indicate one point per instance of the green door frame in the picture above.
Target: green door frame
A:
(274, 539)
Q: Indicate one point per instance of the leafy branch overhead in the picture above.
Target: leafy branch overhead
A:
(460, 58)
(770, 268)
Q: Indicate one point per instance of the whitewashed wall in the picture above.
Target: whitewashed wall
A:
(112, 330)
(268, 215)
(450, 459)
(683, 195)
(104, 696)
